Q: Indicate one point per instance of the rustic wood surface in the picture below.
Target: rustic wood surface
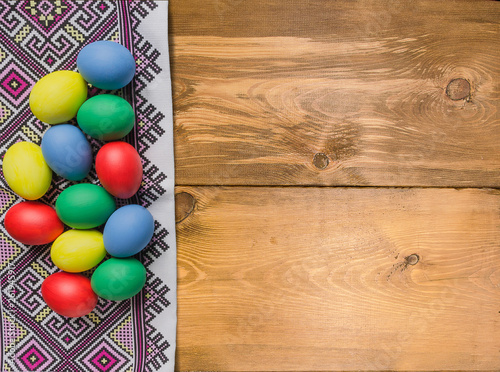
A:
(339, 279)
(400, 97)
(262, 87)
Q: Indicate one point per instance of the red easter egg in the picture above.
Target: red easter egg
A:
(69, 294)
(119, 168)
(33, 223)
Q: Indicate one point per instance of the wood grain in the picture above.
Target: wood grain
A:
(337, 93)
(291, 279)
(262, 87)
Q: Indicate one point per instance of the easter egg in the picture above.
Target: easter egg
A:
(84, 206)
(26, 171)
(106, 64)
(67, 152)
(118, 278)
(56, 97)
(69, 294)
(128, 230)
(106, 117)
(78, 250)
(119, 168)
(33, 223)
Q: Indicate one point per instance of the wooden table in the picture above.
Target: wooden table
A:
(337, 166)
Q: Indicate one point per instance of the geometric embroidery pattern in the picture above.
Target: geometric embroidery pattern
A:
(36, 38)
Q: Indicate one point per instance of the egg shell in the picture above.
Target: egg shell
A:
(106, 117)
(69, 294)
(128, 230)
(33, 223)
(26, 171)
(84, 206)
(118, 278)
(106, 64)
(78, 250)
(67, 152)
(56, 97)
(119, 168)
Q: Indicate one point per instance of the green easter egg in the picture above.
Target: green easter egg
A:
(118, 278)
(84, 206)
(106, 117)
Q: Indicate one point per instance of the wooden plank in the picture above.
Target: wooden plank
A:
(291, 279)
(387, 93)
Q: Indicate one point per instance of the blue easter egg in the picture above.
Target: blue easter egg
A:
(67, 152)
(128, 230)
(106, 64)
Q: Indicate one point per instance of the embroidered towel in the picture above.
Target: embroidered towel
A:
(38, 37)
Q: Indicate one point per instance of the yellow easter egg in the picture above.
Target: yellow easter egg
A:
(26, 171)
(75, 251)
(56, 97)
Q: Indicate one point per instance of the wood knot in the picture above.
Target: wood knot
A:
(321, 161)
(458, 89)
(184, 206)
(412, 259)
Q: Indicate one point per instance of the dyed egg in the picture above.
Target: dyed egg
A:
(128, 230)
(84, 206)
(119, 278)
(78, 250)
(56, 97)
(106, 64)
(119, 168)
(26, 171)
(69, 294)
(106, 117)
(67, 152)
(33, 223)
